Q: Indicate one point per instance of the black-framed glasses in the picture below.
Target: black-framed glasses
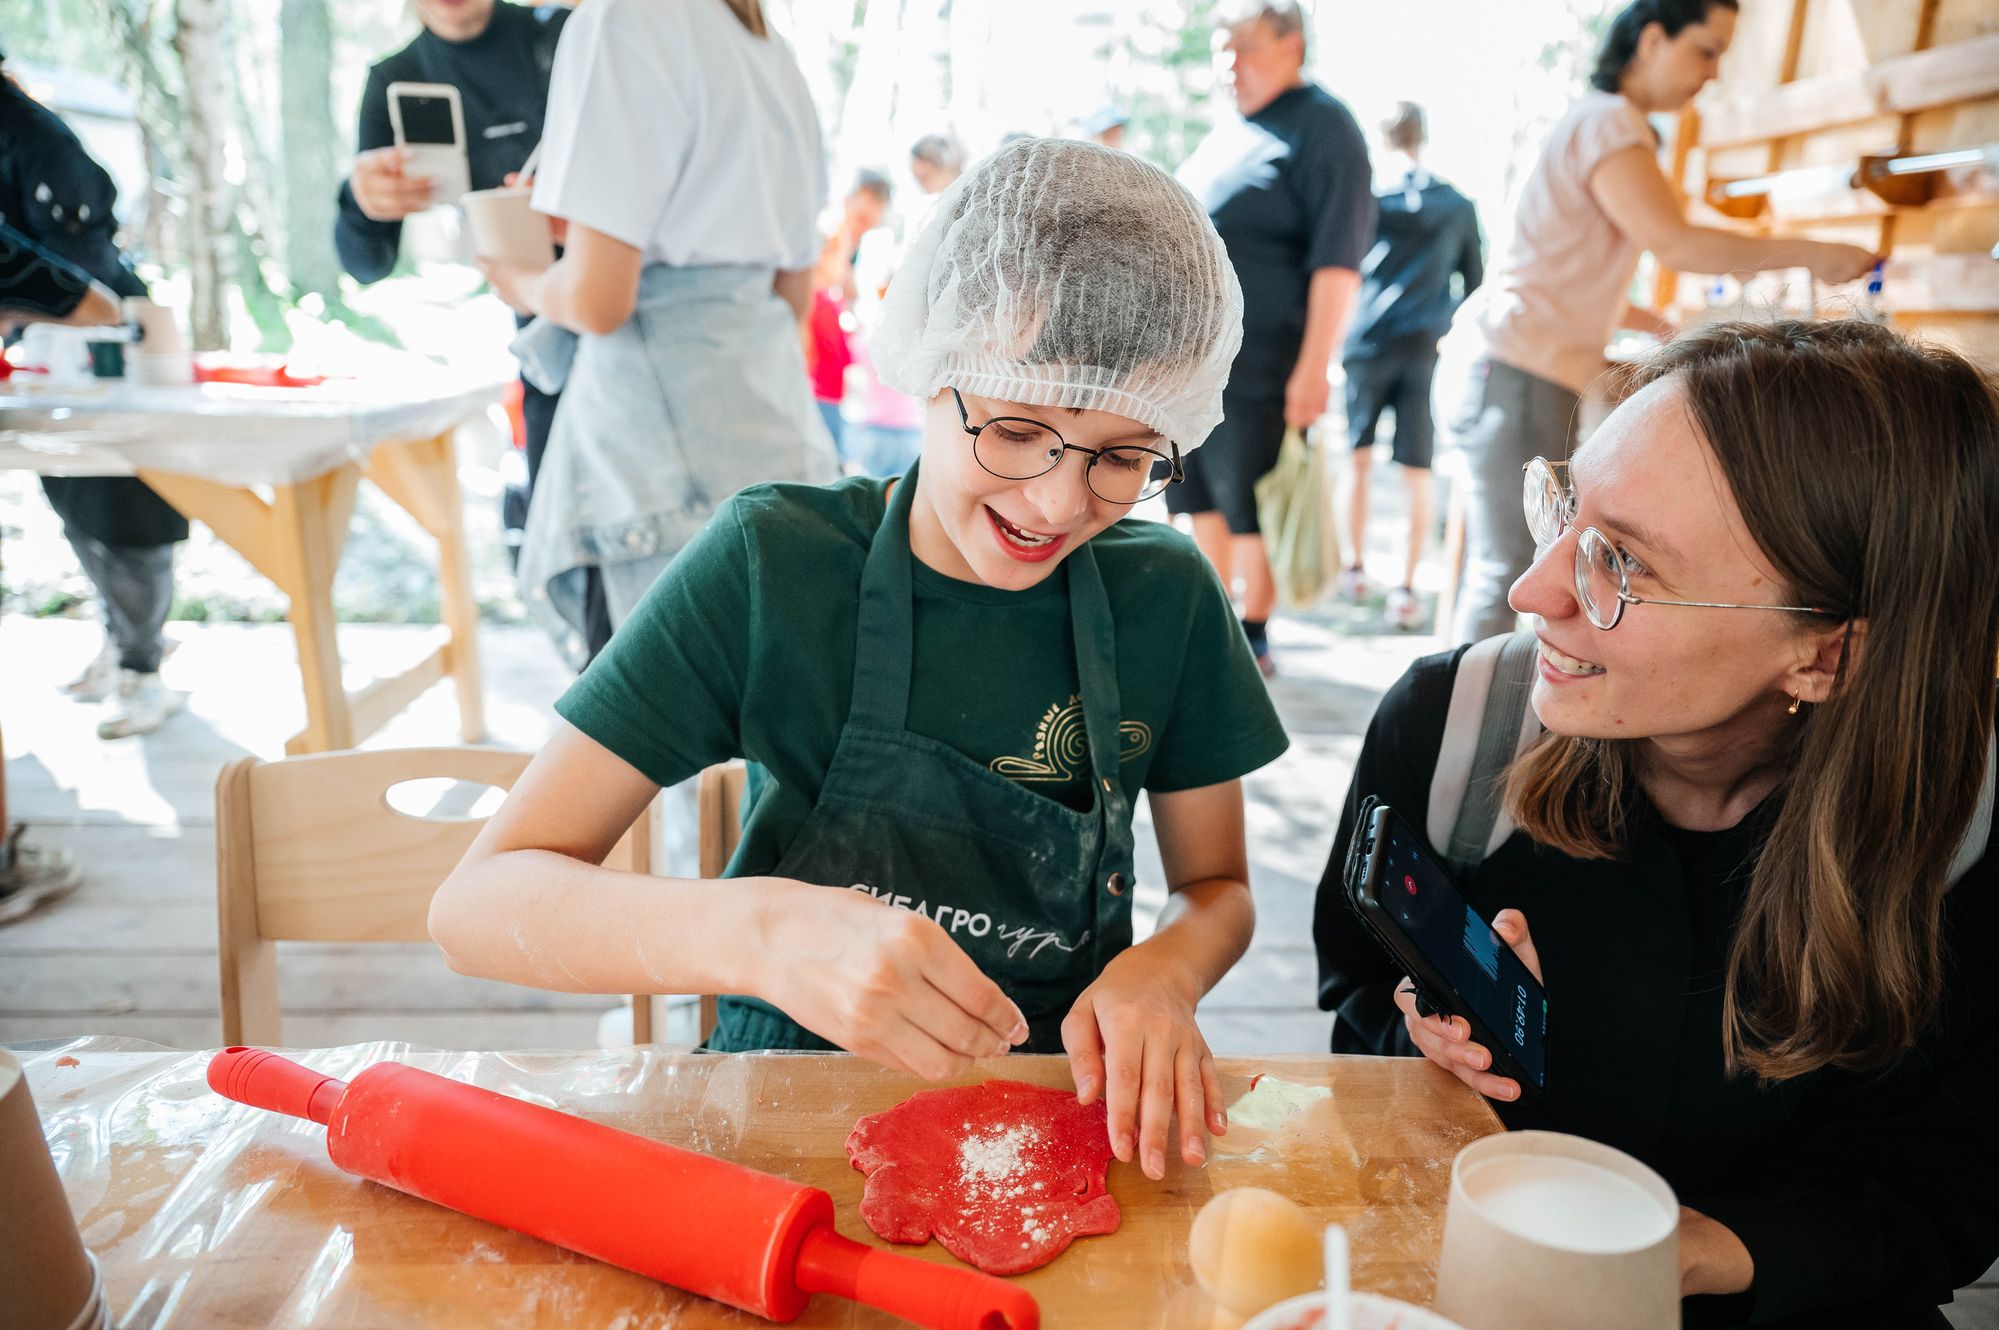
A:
(1602, 570)
(1016, 448)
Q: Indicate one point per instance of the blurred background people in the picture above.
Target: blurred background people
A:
(55, 195)
(498, 55)
(683, 150)
(830, 326)
(1291, 191)
(936, 160)
(1560, 282)
(1426, 259)
(1106, 126)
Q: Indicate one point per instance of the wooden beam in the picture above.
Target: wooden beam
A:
(381, 701)
(1961, 71)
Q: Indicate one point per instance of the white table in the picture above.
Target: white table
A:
(273, 472)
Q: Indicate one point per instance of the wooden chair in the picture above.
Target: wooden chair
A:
(309, 849)
(719, 802)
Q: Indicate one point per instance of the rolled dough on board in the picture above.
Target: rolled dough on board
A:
(1004, 1174)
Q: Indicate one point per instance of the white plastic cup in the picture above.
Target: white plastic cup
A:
(505, 229)
(1367, 1311)
(1553, 1232)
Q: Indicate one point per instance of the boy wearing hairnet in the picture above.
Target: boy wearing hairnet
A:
(950, 687)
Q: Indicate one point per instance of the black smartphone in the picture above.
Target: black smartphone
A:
(1450, 951)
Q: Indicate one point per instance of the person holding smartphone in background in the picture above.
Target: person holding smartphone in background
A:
(498, 55)
(55, 195)
(1746, 858)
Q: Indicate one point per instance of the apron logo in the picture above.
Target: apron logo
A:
(979, 924)
(1062, 746)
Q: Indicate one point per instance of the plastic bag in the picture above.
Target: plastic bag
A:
(1294, 506)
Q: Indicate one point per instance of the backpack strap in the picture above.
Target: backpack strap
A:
(1976, 836)
(1488, 725)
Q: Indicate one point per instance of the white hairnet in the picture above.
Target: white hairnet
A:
(1059, 273)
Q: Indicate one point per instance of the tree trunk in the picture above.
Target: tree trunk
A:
(201, 42)
(306, 36)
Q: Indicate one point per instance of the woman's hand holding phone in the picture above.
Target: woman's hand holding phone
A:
(383, 191)
(1446, 1040)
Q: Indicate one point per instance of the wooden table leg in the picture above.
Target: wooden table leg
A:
(295, 539)
(422, 477)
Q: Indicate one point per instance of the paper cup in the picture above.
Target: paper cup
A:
(50, 1279)
(1554, 1232)
(504, 228)
(159, 369)
(1367, 1311)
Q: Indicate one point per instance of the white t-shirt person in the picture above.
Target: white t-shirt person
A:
(671, 127)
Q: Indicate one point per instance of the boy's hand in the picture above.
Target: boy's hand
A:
(1131, 1037)
(888, 985)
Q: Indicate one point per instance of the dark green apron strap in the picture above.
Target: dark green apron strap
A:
(885, 635)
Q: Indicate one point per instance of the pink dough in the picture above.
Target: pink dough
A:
(1004, 1174)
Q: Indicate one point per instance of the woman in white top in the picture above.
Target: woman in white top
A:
(682, 148)
(1557, 290)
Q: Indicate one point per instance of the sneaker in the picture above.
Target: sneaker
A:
(34, 877)
(1403, 610)
(1266, 663)
(99, 678)
(1353, 585)
(141, 705)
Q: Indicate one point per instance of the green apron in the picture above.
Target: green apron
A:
(1035, 892)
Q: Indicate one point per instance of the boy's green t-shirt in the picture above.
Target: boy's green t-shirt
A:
(745, 648)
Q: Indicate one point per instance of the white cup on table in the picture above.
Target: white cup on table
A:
(1553, 1232)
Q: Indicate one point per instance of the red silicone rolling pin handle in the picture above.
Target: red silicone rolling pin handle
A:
(265, 1080)
(943, 1297)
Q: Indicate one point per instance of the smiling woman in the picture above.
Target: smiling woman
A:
(1748, 842)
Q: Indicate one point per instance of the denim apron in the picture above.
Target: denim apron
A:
(1035, 892)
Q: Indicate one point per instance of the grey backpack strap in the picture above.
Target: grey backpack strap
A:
(1489, 724)
(1976, 836)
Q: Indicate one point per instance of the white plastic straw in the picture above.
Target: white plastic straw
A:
(1338, 1283)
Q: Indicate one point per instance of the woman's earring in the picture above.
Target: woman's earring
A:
(1792, 709)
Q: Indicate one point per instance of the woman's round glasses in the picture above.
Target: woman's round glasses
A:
(1602, 571)
(1016, 448)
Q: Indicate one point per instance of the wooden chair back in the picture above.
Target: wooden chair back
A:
(719, 804)
(309, 849)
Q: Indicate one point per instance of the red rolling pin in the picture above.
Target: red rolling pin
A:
(705, 1225)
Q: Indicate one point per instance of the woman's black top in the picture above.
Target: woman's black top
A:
(502, 81)
(1864, 1199)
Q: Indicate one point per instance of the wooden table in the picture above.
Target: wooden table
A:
(205, 1213)
(273, 472)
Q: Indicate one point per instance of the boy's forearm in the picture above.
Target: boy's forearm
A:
(545, 920)
(1204, 930)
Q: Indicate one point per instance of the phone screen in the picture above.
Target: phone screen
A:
(426, 120)
(1459, 942)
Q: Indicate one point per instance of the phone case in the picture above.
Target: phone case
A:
(1434, 995)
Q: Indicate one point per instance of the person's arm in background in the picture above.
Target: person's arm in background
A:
(368, 232)
(1633, 192)
(795, 285)
(37, 286)
(1471, 254)
(592, 288)
(1327, 305)
(1335, 178)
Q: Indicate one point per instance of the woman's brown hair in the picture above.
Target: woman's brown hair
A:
(1866, 467)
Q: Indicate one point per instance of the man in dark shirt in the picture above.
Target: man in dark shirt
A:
(1426, 235)
(498, 56)
(55, 195)
(1289, 191)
